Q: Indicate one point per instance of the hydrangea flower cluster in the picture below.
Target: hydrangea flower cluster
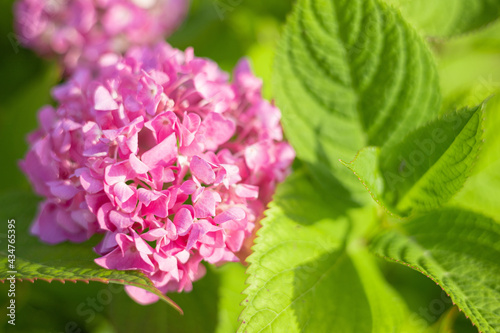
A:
(79, 31)
(162, 154)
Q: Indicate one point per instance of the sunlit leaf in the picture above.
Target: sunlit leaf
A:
(460, 251)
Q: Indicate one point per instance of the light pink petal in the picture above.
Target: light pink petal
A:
(235, 240)
(200, 229)
(206, 250)
(63, 189)
(216, 256)
(171, 230)
(141, 296)
(166, 264)
(232, 175)
(137, 165)
(183, 221)
(183, 256)
(103, 217)
(218, 130)
(120, 220)
(89, 183)
(202, 170)
(95, 201)
(161, 154)
(155, 203)
(247, 191)
(257, 156)
(146, 196)
(231, 214)
(205, 205)
(44, 226)
(154, 235)
(188, 187)
(103, 100)
(141, 245)
(193, 236)
(123, 192)
(115, 173)
(107, 244)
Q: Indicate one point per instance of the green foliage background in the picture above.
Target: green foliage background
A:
(292, 273)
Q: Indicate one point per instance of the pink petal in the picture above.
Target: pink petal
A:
(205, 205)
(63, 189)
(183, 256)
(107, 244)
(103, 100)
(232, 214)
(161, 154)
(154, 235)
(141, 245)
(44, 226)
(188, 187)
(122, 192)
(235, 240)
(120, 220)
(198, 230)
(141, 296)
(166, 264)
(183, 221)
(247, 191)
(137, 164)
(218, 130)
(116, 173)
(103, 217)
(202, 170)
(232, 174)
(89, 183)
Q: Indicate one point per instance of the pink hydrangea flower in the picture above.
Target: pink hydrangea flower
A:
(79, 31)
(163, 155)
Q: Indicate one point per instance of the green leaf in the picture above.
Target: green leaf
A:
(460, 251)
(427, 168)
(212, 306)
(469, 68)
(446, 18)
(431, 164)
(200, 310)
(350, 73)
(232, 284)
(307, 275)
(469, 79)
(366, 167)
(481, 192)
(63, 262)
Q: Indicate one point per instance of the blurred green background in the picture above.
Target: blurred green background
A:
(225, 31)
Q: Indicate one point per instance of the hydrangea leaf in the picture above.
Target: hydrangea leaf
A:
(351, 73)
(457, 249)
(366, 167)
(481, 192)
(428, 167)
(305, 276)
(431, 164)
(63, 262)
(232, 283)
(200, 306)
(470, 79)
(445, 18)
